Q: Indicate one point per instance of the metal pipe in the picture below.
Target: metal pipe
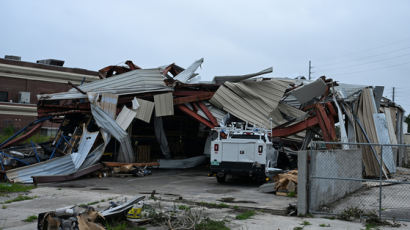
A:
(352, 143)
(361, 180)
(380, 183)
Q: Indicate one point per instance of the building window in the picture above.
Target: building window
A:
(4, 96)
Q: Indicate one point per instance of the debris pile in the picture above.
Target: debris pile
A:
(113, 119)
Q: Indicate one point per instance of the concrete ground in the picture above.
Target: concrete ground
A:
(170, 185)
(191, 185)
(395, 198)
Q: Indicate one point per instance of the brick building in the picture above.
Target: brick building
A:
(20, 82)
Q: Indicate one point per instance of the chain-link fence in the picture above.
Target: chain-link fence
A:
(359, 179)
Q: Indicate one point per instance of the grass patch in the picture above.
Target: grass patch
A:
(90, 203)
(8, 188)
(123, 226)
(19, 198)
(4, 206)
(298, 228)
(245, 215)
(351, 213)
(30, 218)
(208, 224)
(213, 205)
(305, 223)
(324, 225)
(184, 207)
(37, 138)
(291, 194)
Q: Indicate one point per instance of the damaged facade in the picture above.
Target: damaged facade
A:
(165, 115)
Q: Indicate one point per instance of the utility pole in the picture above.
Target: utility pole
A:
(310, 70)
(393, 93)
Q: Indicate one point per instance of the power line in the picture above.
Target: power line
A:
(366, 70)
(370, 62)
(349, 54)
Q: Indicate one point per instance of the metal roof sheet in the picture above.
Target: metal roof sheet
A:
(132, 82)
(251, 101)
(236, 78)
(164, 104)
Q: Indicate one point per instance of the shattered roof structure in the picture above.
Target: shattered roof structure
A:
(288, 108)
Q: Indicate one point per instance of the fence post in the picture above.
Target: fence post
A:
(380, 182)
(302, 188)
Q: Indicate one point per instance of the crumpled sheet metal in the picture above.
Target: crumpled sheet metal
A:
(110, 126)
(132, 82)
(121, 208)
(57, 166)
(189, 73)
(309, 91)
(252, 101)
(237, 78)
(86, 143)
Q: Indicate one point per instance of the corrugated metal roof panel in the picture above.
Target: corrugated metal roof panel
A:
(144, 111)
(86, 143)
(164, 104)
(133, 82)
(251, 101)
(189, 73)
(236, 78)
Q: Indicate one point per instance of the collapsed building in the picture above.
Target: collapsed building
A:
(164, 116)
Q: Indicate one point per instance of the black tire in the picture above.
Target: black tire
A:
(221, 179)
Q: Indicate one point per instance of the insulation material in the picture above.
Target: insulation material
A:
(110, 126)
(236, 78)
(144, 111)
(383, 138)
(343, 133)
(161, 137)
(251, 101)
(308, 92)
(390, 126)
(189, 73)
(86, 143)
(164, 104)
(366, 109)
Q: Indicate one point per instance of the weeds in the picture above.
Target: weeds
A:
(245, 215)
(4, 206)
(291, 194)
(183, 207)
(305, 223)
(208, 224)
(30, 218)
(324, 225)
(19, 198)
(123, 226)
(298, 228)
(351, 213)
(213, 205)
(8, 188)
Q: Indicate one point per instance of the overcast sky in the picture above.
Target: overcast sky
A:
(362, 42)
